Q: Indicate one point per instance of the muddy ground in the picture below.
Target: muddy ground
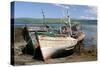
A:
(86, 53)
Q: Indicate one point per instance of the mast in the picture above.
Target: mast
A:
(43, 17)
(66, 18)
(69, 22)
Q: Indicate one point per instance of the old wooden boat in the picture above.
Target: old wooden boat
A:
(49, 45)
(49, 42)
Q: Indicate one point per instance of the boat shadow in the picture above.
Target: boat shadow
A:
(62, 53)
(57, 54)
(37, 54)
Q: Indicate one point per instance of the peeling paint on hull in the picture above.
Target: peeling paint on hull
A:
(49, 45)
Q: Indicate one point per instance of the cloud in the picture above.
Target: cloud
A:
(90, 13)
(62, 6)
(92, 10)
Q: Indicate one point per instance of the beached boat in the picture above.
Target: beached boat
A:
(49, 42)
(53, 43)
(49, 45)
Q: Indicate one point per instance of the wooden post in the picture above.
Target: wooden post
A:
(78, 47)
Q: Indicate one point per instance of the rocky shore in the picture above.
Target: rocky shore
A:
(86, 53)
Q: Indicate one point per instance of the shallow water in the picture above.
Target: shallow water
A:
(91, 34)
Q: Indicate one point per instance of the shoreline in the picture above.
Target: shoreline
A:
(87, 53)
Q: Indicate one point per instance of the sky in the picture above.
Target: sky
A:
(51, 10)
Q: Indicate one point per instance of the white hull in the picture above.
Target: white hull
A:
(50, 45)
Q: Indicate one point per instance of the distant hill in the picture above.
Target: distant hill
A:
(37, 20)
(92, 22)
(52, 20)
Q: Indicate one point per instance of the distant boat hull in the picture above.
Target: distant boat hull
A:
(49, 45)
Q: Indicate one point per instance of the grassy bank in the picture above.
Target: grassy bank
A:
(53, 20)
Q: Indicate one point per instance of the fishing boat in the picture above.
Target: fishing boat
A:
(49, 45)
(50, 42)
